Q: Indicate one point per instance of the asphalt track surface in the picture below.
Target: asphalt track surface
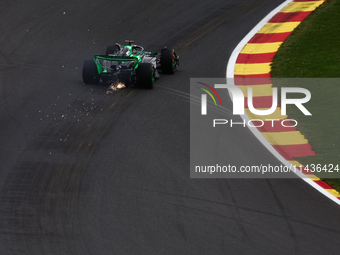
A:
(85, 172)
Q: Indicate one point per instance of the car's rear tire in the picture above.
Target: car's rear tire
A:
(168, 61)
(90, 72)
(112, 49)
(145, 75)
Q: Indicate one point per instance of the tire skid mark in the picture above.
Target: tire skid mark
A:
(40, 198)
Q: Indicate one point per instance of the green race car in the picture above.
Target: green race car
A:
(131, 65)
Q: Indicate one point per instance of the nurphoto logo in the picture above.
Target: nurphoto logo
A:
(239, 102)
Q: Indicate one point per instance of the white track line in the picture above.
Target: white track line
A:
(255, 131)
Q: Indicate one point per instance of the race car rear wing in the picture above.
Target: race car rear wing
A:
(105, 63)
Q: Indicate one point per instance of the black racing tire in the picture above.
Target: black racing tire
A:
(90, 72)
(168, 61)
(145, 75)
(112, 49)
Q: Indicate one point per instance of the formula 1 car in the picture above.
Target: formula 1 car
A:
(131, 65)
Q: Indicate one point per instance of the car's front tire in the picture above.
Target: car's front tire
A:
(145, 75)
(90, 72)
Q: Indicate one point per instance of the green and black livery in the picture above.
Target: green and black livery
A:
(131, 65)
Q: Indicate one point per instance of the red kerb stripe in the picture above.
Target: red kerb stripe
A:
(268, 38)
(260, 102)
(265, 75)
(296, 150)
(289, 17)
(323, 185)
(255, 58)
(275, 126)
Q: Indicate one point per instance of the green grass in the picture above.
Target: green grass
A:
(313, 51)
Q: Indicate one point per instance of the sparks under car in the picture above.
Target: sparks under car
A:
(131, 65)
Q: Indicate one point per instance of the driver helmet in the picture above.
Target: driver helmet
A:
(127, 51)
